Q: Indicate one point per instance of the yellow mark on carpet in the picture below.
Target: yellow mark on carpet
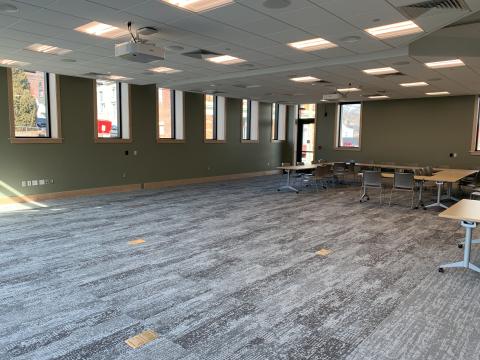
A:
(323, 252)
(141, 339)
(136, 242)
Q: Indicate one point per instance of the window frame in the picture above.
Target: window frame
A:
(173, 118)
(338, 128)
(299, 110)
(476, 128)
(215, 139)
(121, 139)
(11, 113)
(275, 115)
(249, 140)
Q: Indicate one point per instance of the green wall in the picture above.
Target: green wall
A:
(79, 163)
(423, 131)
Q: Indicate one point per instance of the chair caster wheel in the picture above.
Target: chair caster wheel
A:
(460, 246)
(441, 270)
(296, 192)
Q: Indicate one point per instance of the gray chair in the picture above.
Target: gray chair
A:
(371, 179)
(321, 175)
(472, 185)
(403, 182)
(339, 170)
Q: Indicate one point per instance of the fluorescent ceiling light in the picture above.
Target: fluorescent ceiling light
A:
(9, 62)
(164, 70)
(117, 77)
(352, 89)
(48, 49)
(379, 97)
(414, 84)
(445, 64)
(199, 5)
(312, 44)
(380, 71)
(103, 30)
(394, 30)
(305, 79)
(225, 60)
(437, 93)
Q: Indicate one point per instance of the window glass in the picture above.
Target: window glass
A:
(307, 111)
(349, 125)
(30, 103)
(108, 109)
(165, 114)
(245, 119)
(210, 118)
(274, 121)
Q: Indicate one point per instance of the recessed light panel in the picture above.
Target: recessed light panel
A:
(305, 79)
(8, 62)
(414, 84)
(225, 60)
(445, 64)
(379, 97)
(312, 44)
(380, 71)
(103, 30)
(48, 49)
(394, 30)
(164, 70)
(198, 5)
(437, 93)
(346, 90)
(117, 78)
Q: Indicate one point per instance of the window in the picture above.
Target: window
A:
(246, 119)
(33, 106)
(279, 119)
(170, 122)
(112, 111)
(214, 118)
(476, 129)
(349, 121)
(307, 111)
(250, 111)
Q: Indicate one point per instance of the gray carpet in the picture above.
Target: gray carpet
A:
(229, 271)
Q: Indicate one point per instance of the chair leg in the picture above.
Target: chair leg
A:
(413, 197)
(390, 201)
(381, 195)
(315, 182)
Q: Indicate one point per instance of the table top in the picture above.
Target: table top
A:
(450, 175)
(467, 210)
(298, 167)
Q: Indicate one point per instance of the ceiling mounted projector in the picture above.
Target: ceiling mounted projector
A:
(139, 52)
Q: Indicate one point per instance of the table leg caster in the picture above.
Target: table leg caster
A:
(460, 246)
(441, 270)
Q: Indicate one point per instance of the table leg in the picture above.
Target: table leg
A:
(466, 251)
(288, 186)
(449, 193)
(438, 203)
(420, 196)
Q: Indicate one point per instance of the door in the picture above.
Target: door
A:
(305, 140)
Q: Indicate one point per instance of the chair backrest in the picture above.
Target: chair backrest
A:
(321, 161)
(476, 180)
(286, 164)
(419, 171)
(314, 162)
(428, 171)
(339, 166)
(301, 163)
(403, 181)
(372, 178)
(321, 171)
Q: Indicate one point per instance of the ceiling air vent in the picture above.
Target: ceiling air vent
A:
(200, 54)
(415, 10)
(94, 74)
(390, 75)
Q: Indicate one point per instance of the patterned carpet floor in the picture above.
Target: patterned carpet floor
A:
(231, 271)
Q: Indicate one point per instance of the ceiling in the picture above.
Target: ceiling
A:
(249, 30)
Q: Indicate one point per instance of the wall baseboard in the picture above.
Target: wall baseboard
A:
(201, 180)
(131, 187)
(66, 194)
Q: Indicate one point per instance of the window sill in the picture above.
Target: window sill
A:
(214, 141)
(170, 141)
(249, 141)
(36, 140)
(113, 141)
(475, 152)
(347, 148)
